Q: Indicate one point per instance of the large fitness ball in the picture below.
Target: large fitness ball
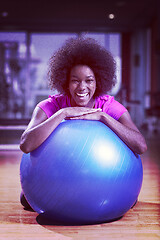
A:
(83, 173)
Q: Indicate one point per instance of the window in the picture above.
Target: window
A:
(23, 70)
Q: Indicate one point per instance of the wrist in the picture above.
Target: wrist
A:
(106, 119)
(64, 112)
(102, 117)
(60, 114)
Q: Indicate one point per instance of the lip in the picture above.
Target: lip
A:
(81, 95)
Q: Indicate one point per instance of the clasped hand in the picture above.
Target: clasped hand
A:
(83, 113)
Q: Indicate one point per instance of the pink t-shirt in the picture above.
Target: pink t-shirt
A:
(107, 103)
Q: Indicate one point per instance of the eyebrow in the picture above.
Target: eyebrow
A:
(90, 76)
(86, 76)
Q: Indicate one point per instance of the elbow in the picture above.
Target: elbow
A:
(24, 148)
(142, 148)
(27, 145)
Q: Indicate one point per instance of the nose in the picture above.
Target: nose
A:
(82, 85)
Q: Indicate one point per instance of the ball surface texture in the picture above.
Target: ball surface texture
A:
(83, 173)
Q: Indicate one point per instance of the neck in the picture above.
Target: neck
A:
(91, 104)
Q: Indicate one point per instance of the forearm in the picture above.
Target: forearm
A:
(132, 137)
(33, 137)
(40, 127)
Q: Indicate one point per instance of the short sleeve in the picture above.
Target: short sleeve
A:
(116, 109)
(53, 104)
(110, 106)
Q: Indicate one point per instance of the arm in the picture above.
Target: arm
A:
(124, 128)
(40, 127)
(127, 131)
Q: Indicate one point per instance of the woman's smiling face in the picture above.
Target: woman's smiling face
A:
(82, 86)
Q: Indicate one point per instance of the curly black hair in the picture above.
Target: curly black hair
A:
(82, 51)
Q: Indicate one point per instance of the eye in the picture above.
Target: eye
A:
(74, 81)
(90, 80)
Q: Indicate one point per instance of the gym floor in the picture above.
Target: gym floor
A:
(140, 223)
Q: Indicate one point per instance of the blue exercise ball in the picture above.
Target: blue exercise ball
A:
(83, 173)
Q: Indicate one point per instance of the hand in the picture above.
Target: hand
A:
(96, 115)
(80, 112)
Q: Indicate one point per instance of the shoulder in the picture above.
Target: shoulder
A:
(54, 103)
(109, 105)
(104, 100)
(59, 100)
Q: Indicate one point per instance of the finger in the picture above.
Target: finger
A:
(92, 110)
(75, 118)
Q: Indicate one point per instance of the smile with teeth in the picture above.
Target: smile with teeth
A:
(82, 94)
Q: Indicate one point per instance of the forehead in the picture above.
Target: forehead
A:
(82, 69)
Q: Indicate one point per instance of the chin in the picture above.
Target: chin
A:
(81, 105)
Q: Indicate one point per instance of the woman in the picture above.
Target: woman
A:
(83, 72)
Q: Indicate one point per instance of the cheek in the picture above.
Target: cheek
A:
(71, 88)
(94, 87)
(94, 90)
